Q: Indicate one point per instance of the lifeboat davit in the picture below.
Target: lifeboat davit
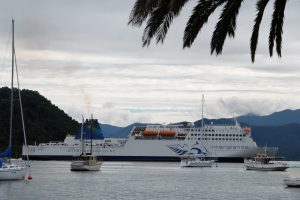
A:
(150, 133)
(247, 129)
(167, 133)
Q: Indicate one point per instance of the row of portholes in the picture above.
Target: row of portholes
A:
(223, 139)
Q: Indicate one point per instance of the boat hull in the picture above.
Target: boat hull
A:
(266, 168)
(81, 166)
(292, 182)
(12, 174)
(196, 164)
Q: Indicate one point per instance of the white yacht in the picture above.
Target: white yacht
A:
(193, 161)
(14, 169)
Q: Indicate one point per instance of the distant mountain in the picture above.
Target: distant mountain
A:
(110, 130)
(44, 121)
(275, 119)
(286, 137)
(118, 132)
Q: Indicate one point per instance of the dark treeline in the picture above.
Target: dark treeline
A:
(44, 121)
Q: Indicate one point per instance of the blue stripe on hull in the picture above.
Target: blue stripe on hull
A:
(136, 158)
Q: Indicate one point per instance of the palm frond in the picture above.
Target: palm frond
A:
(275, 31)
(225, 26)
(199, 17)
(260, 8)
(175, 6)
(160, 20)
(141, 10)
(155, 20)
(280, 5)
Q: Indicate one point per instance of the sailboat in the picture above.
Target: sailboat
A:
(194, 160)
(14, 169)
(86, 161)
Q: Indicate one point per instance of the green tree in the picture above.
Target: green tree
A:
(160, 13)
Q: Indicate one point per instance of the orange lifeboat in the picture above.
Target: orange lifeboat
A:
(150, 133)
(167, 133)
(247, 129)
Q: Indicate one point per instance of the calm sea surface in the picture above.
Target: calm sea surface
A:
(147, 180)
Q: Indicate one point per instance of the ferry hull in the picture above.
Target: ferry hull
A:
(135, 158)
(222, 143)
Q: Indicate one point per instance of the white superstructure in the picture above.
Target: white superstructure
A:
(160, 143)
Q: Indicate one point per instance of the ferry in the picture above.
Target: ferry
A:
(224, 143)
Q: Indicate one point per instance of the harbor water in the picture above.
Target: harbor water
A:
(147, 180)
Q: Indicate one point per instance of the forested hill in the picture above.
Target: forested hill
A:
(44, 121)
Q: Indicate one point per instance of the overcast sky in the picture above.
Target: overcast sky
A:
(85, 59)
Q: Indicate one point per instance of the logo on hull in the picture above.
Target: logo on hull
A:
(184, 149)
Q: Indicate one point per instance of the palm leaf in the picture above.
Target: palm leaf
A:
(141, 10)
(280, 5)
(175, 7)
(260, 7)
(225, 26)
(154, 22)
(199, 17)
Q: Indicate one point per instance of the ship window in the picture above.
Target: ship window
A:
(213, 130)
(226, 138)
(244, 135)
(241, 139)
(212, 134)
(216, 138)
(209, 134)
(229, 138)
(226, 135)
(223, 135)
(198, 138)
(192, 134)
(230, 135)
(233, 139)
(188, 138)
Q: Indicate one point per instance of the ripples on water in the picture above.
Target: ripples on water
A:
(147, 180)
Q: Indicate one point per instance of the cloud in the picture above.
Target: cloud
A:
(86, 60)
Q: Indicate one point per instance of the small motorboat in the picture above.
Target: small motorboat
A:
(292, 182)
(262, 162)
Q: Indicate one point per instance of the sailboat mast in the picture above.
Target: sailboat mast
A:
(202, 123)
(91, 134)
(12, 84)
(82, 139)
